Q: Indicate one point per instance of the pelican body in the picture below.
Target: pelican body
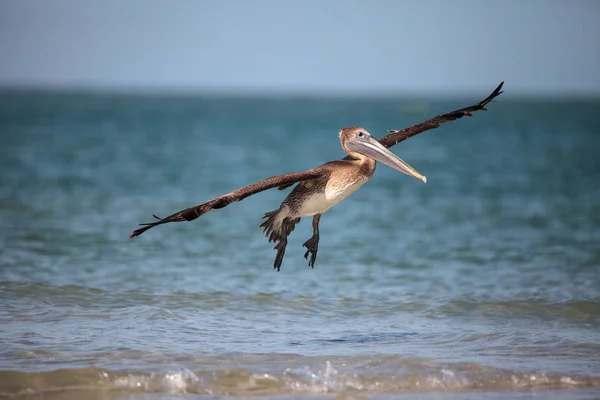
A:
(320, 188)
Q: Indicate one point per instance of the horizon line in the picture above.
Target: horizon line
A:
(266, 91)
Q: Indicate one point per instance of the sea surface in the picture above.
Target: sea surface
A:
(482, 283)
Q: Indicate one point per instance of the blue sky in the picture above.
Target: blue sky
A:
(387, 46)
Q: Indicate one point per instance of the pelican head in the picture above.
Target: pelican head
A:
(359, 143)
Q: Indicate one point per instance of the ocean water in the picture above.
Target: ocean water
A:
(482, 283)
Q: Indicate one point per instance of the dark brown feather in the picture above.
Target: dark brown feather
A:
(194, 212)
(396, 136)
(274, 235)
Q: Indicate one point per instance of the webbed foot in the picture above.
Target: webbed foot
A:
(312, 245)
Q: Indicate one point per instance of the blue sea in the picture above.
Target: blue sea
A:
(482, 283)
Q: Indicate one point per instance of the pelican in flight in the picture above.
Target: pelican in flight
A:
(321, 188)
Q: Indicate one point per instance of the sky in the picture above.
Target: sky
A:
(323, 46)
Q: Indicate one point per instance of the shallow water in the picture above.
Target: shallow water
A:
(482, 283)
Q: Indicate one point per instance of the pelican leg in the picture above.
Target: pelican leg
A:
(312, 244)
(280, 247)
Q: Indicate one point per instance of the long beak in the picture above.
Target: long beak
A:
(373, 149)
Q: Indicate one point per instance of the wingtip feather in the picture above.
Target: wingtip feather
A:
(498, 91)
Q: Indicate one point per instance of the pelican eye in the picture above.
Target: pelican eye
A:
(361, 134)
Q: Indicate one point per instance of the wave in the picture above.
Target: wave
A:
(526, 305)
(374, 375)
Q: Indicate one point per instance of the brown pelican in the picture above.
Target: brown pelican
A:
(321, 188)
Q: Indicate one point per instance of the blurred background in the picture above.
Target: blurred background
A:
(484, 281)
(267, 46)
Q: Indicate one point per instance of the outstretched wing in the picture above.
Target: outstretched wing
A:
(237, 195)
(396, 136)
